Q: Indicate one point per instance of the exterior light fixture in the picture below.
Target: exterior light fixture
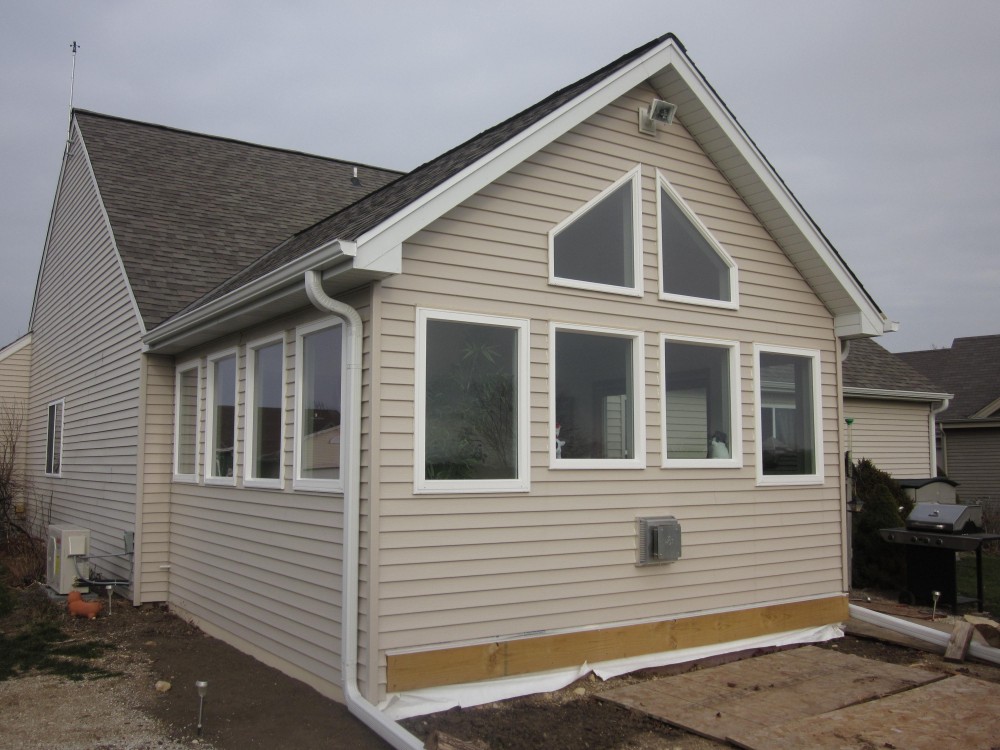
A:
(657, 111)
(202, 687)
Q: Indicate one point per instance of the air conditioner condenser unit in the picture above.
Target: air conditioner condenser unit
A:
(64, 563)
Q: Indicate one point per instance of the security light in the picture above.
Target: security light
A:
(657, 111)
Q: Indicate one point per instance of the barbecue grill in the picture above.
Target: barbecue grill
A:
(934, 532)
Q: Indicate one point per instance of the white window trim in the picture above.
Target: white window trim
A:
(734, 286)
(638, 461)
(635, 176)
(735, 406)
(178, 371)
(522, 483)
(61, 403)
(789, 479)
(250, 409)
(311, 484)
(210, 478)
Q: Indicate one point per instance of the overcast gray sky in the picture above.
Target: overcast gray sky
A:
(882, 117)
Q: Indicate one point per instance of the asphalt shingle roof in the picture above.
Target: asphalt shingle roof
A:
(869, 365)
(355, 220)
(968, 369)
(188, 210)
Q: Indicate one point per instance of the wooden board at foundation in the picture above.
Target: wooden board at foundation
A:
(749, 696)
(958, 712)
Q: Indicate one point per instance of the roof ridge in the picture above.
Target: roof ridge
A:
(236, 141)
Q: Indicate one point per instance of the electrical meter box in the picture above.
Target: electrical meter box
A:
(64, 561)
(659, 540)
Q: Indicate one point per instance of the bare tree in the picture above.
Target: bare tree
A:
(22, 552)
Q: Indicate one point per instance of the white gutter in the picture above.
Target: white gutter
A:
(898, 395)
(357, 704)
(932, 430)
(921, 632)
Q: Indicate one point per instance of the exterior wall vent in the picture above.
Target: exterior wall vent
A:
(659, 540)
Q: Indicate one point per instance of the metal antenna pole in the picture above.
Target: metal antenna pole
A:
(72, 87)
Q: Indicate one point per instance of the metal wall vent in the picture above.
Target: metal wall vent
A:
(659, 540)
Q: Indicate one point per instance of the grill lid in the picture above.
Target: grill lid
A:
(945, 517)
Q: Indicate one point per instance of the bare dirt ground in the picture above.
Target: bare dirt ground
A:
(250, 705)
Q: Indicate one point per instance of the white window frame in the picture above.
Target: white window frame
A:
(250, 409)
(634, 176)
(521, 483)
(663, 185)
(789, 479)
(638, 461)
(209, 463)
(735, 461)
(180, 370)
(60, 406)
(311, 484)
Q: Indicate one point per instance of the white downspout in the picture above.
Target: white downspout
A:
(357, 704)
(932, 426)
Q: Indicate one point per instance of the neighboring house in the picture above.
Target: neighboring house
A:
(15, 371)
(970, 427)
(407, 445)
(893, 408)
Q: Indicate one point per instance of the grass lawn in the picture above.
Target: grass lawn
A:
(991, 580)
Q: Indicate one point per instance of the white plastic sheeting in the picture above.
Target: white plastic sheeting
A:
(400, 706)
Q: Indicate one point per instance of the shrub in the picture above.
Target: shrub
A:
(877, 563)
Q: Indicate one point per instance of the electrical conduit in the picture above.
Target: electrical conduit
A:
(357, 704)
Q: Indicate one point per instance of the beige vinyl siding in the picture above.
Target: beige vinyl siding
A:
(973, 455)
(894, 435)
(455, 568)
(261, 567)
(15, 374)
(156, 448)
(85, 351)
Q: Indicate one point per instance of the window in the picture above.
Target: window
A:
(318, 377)
(53, 440)
(596, 398)
(220, 459)
(472, 403)
(599, 246)
(186, 396)
(701, 405)
(693, 266)
(265, 413)
(789, 435)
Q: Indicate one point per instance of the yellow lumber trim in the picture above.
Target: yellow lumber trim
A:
(453, 666)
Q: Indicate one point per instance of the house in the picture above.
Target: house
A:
(970, 427)
(15, 364)
(892, 409)
(404, 435)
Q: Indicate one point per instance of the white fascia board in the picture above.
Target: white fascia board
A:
(880, 393)
(868, 321)
(15, 346)
(985, 412)
(254, 293)
(421, 212)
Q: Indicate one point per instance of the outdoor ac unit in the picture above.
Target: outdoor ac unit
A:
(63, 564)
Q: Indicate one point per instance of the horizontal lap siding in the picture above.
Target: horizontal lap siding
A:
(263, 567)
(157, 429)
(894, 435)
(468, 567)
(86, 350)
(972, 462)
(15, 380)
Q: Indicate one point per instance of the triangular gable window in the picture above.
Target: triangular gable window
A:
(693, 266)
(598, 246)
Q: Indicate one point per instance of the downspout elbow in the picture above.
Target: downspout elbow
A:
(932, 429)
(357, 704)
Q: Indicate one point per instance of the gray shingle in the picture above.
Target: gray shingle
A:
(188, 211)
(869, 365)
(968, 369)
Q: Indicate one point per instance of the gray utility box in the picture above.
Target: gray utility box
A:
(659, 540)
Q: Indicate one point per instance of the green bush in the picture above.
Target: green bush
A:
(877, 563)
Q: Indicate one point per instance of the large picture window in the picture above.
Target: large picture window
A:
(597, 398)
(265, 413)
(599, 247)
(701, 415)
(220, 463)
(186, 422)
(318, 454)
(472, 403)
(694, 268)
(789, 435)
(54, 439)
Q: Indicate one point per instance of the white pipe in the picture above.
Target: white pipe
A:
(357, 704)
(921, 632)
(932, 427)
